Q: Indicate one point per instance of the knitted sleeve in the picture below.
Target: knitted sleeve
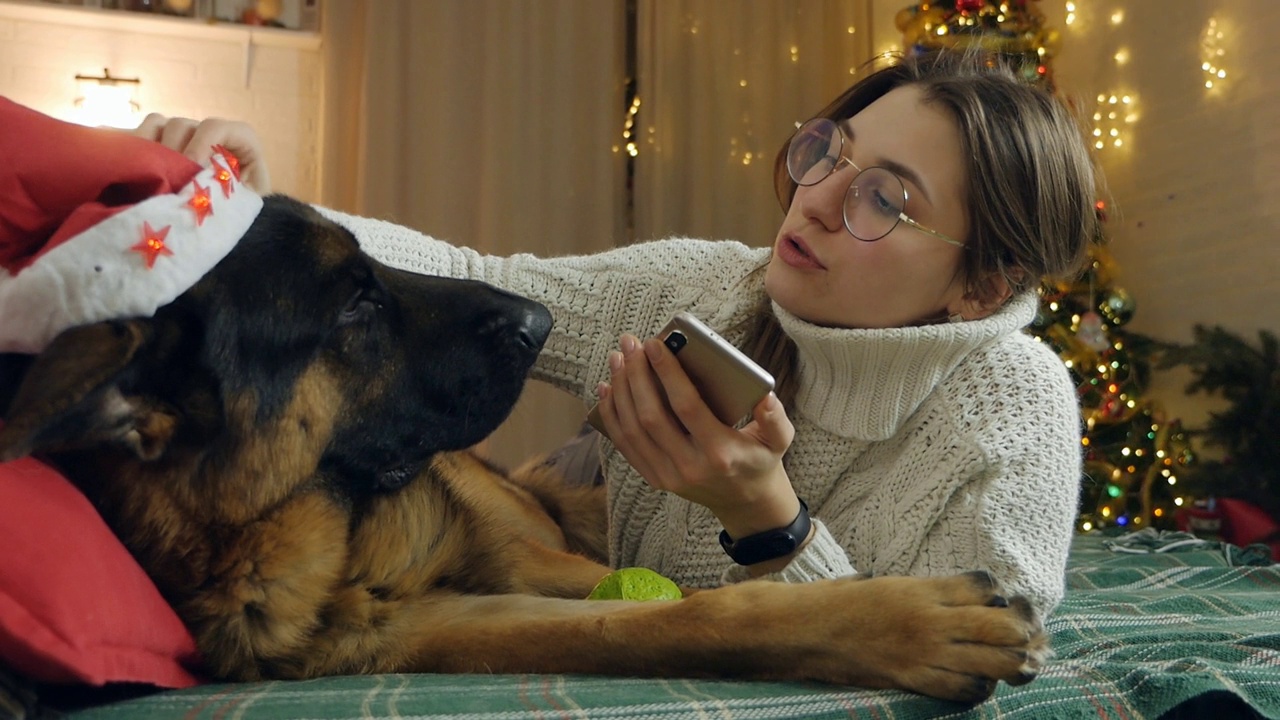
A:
(592, 298)
(823, 557)
(1017, 516)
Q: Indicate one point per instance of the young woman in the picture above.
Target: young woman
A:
(924, 430)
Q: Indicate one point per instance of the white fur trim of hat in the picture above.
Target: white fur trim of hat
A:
(128, 264)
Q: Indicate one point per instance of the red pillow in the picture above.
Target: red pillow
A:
(74, 604)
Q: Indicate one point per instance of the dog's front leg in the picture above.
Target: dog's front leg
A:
(949, 637)
(539, 570)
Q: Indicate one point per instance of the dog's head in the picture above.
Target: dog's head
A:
(297, 357)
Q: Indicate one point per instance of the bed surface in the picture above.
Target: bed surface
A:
(1152, 623)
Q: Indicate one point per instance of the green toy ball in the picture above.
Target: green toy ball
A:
(635, 583)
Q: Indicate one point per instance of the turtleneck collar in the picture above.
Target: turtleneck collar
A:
(864, 384)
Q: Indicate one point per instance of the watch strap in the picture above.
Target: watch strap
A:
(770, 544)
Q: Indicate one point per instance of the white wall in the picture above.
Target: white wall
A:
(1196, 188)
(269, 78)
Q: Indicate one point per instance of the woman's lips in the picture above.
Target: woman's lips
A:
(793, 251)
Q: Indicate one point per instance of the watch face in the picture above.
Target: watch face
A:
(770, 544)
(775, 545)
(761, 547)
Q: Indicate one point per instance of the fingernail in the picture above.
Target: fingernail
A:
(615, 361)
(602, 390)
(653, 349)
(628, 343)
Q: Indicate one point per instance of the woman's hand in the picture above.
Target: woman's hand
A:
(662, 426)
(196, 141)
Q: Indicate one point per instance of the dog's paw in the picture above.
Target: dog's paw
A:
(968, 636)
(953, 637)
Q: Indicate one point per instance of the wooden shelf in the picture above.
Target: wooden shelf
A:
(166, 25)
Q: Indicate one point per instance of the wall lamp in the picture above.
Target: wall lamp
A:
(107, 100)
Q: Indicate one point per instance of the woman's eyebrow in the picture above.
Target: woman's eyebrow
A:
(893, 166)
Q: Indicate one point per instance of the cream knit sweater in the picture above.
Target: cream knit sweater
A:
(920, 450)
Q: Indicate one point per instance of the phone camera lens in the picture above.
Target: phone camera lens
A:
(675, 341)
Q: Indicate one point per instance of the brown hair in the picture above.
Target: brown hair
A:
(1031, 187)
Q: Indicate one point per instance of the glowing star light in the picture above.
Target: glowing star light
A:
(201, 203)
(224, 177)
(233, 162)
(152, 244)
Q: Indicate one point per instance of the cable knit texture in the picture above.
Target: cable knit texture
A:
(921, 450)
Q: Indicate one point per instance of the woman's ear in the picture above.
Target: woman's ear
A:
(986, 296)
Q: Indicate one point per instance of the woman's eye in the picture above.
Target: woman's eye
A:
(883, 205)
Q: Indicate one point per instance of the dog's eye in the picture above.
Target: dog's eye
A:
(360, 307)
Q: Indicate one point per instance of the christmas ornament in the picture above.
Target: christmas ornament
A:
(1014, 31)
(1091, 332)
(67, 257)
(1117, 307)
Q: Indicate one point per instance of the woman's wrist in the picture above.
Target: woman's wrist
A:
(774, 508)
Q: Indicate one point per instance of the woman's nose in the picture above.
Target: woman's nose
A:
(824, 200)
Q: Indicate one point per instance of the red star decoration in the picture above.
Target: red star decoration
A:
(201, 203)
(224, 178)
(233, 162)
(152, 244)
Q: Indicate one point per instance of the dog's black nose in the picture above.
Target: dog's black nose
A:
(535, 327)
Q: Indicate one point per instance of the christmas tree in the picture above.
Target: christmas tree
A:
(1132, 453)
(1245, 431)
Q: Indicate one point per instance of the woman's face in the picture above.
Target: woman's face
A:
(822, 274)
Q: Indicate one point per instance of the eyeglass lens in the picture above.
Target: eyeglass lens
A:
(876, 197)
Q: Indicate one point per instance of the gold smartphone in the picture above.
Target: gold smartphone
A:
(731, 383)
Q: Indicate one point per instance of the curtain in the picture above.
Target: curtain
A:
(722, 84)
(499, 124)
(495, 125)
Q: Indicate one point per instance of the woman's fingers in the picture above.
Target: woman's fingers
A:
(638, 406)
(196, 140)
(151, 126)
(683, 399)
(770, 424)
(177, 134)
(238, 138)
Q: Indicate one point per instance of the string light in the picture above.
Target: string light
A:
(1071, 13)
(1114, 113)
(628, 128)
(1211, 54)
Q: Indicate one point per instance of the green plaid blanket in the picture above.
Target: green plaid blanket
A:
(1150, 621)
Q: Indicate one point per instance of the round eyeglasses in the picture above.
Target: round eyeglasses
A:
(876, 199)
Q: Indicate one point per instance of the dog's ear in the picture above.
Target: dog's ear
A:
(68, 397)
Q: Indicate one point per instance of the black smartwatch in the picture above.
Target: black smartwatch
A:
(770, 544)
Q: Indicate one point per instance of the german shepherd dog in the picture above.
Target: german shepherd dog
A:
(284, 448)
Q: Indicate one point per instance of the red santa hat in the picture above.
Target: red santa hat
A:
(98, 224)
